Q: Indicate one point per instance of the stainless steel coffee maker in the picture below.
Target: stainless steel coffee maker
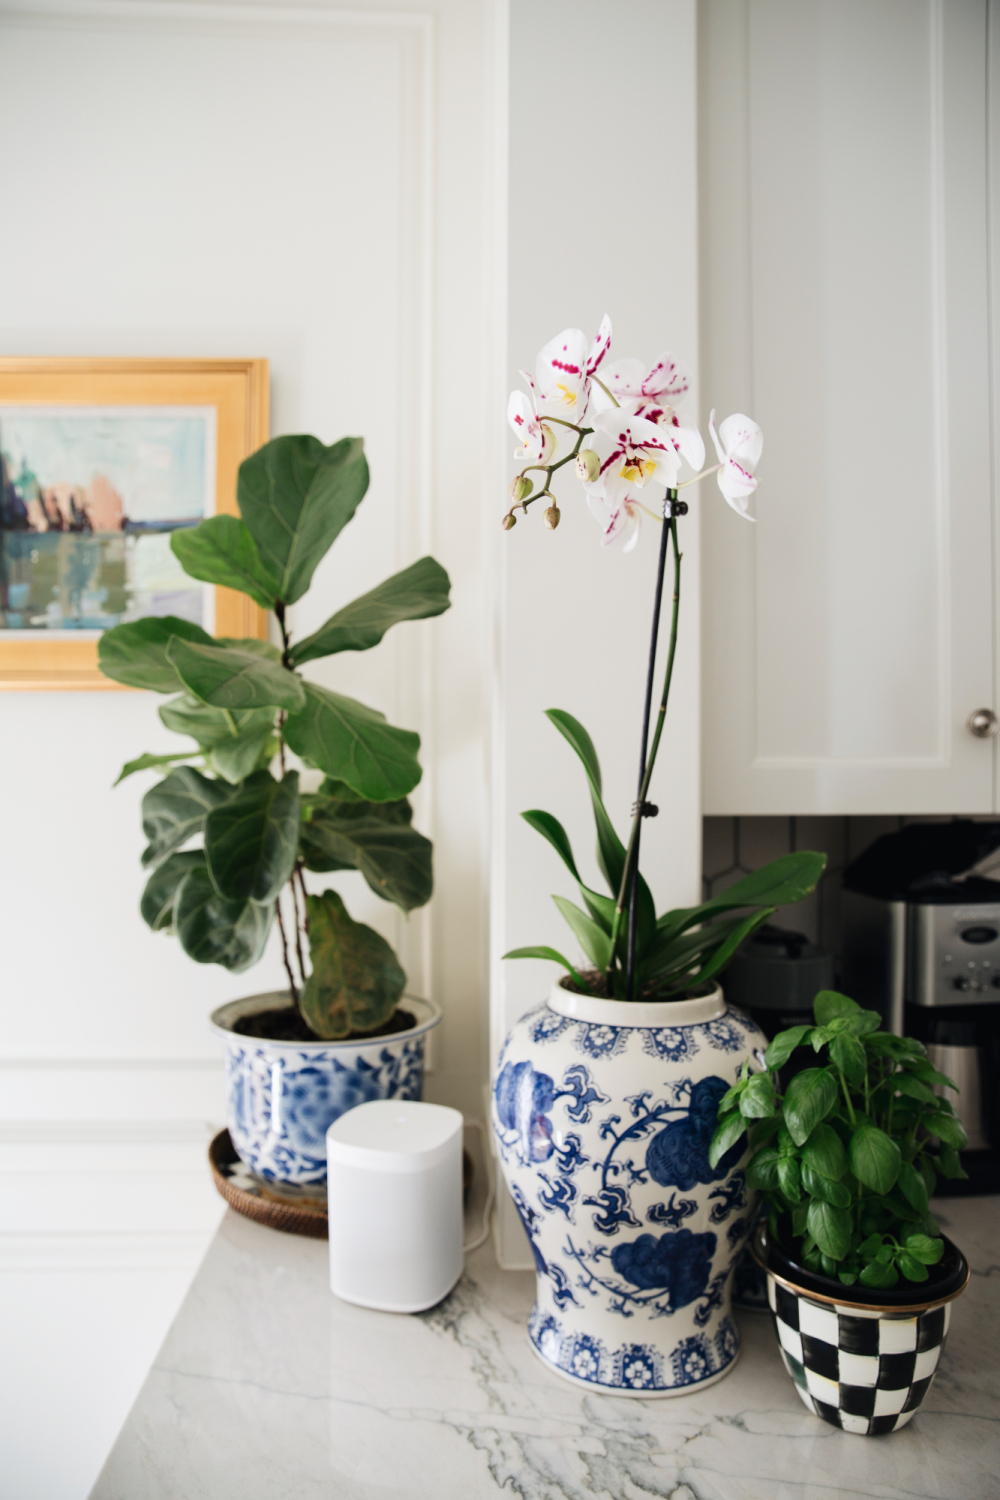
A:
(921, 944)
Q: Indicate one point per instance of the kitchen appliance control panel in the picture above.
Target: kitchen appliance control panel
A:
(954, 955)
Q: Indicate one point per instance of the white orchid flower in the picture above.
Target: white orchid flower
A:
(739, 443)
(633, 452)
(655, 394)
(537, 438)
(619, 521)
(563, 372)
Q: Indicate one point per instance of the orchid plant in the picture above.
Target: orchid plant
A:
(620, 426)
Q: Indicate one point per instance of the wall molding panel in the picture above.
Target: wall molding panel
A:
(848, 634)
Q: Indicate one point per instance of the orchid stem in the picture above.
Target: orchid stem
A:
(630, 874)
(703, 475)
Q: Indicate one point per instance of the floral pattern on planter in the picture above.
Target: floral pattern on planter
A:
(282, 1099)
(603, 1133)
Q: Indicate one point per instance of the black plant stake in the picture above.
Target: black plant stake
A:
(672, 508)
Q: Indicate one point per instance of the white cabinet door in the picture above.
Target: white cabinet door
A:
(849, 634)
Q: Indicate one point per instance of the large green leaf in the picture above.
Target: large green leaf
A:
(238, 741)
(221, 550)
(213, 726)
(354, 743)
(251, 840)
(601, 908)
(175, 809)
(672, 960)
(136, 654)
(416, 593)
(157, 903)
(551, 955)
(296, 496)
(149, 762)
(594, 941)
(874, 1156)
(610, 849)
(238, 757)
(830, 1005)
(237, 677)
(728, 1131)
(725, 951)
(356, 980)
(809, 1098)
(830, 1227)
(394, 858)
(824, 1153)
(776, 884)
(213, 930)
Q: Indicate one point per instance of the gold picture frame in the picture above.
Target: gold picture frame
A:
(237, 389)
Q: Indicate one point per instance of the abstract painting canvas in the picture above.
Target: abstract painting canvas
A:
(89, 497)
(101, 461)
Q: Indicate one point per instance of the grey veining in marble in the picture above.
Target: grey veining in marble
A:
(267, 1386)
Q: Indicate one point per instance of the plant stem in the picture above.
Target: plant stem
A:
(300, 920)
(670, 528)
(847, 1097)
(284, 953)
(633, 908)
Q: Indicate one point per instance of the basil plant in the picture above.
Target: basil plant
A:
(230, 830)
(849, 1154)
(676, 952)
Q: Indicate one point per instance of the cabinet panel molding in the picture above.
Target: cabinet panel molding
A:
(848, 634)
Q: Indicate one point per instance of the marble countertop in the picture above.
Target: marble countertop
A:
(268, 1386)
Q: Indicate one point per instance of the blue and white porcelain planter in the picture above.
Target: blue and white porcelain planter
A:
(603, 1112)
(282, 1097)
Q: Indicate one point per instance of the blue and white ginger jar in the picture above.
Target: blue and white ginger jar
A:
(603, 1112)
(282, 1097)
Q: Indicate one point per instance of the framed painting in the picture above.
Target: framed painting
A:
(100, 461)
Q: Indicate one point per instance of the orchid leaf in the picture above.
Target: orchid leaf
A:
(594, 941)
(550, 954)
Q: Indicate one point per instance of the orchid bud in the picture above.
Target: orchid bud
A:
(508, 521)
(520, 489)
(588, 465)
(551, 517)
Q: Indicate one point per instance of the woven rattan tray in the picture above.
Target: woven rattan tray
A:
(293, 1210)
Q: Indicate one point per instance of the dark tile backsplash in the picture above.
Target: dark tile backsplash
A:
(732, 847)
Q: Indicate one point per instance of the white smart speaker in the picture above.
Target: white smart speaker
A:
(394, 1194)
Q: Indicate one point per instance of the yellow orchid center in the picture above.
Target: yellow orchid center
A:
(567, 395)
(637, 470)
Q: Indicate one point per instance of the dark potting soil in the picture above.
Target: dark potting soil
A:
(285, 1024)
(785, 1259)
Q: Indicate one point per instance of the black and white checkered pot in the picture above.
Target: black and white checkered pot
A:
(864, 1365)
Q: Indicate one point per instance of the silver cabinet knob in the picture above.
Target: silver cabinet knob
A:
(982, 723)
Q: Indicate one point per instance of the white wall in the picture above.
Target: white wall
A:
(317, 187)
(602, 219)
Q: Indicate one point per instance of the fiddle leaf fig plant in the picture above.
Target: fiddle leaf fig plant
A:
(229, 829)
(849, 1154)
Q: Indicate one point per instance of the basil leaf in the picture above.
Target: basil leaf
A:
(875, 1158)
(809, 1098)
